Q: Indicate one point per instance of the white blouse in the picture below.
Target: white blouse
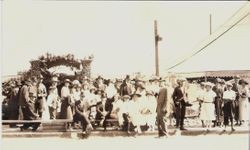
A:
(229, 95)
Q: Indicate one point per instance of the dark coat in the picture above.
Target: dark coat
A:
(125, 89)
(13, 104)
(161, 108)
(81, 108)
(24, 96)
(178, 96)
(66, 111)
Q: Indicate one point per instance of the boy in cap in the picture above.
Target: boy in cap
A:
(228, 109)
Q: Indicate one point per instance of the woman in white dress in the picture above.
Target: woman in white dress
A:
(52, 102)
(135, 107)
(207, 113)
(243, 101)
(148, 111)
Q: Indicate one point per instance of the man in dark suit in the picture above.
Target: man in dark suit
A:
(82, 111)
(180, 104)
(236, 102)
(161, 111)
(126, 87)
(218, 89)
(27, 104)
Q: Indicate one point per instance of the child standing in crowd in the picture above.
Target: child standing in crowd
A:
(228, 101)
(53, 102)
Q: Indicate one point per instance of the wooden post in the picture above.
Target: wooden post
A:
(157, 39)
(210, 24)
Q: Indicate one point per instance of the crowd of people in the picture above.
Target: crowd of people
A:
(133, 103)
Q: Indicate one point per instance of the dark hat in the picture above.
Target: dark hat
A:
(149, 93)
(137, 94)
(32, 94)
(18, 83)
(242, 81)
(34, 79)
(82, 94)
(162, 80)
(27, 81)
(127, 77)
(99, 77)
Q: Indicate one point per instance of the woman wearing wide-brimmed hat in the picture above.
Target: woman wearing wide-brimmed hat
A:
(66, 110)
(243, 101)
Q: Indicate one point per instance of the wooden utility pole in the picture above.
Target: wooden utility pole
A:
(210, 33)
(157, 39)
(210, 24)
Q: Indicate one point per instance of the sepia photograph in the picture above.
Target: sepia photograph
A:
(124, 75)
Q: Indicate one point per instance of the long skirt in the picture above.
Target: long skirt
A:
(66, 111)
(243, 109)
(207, 112)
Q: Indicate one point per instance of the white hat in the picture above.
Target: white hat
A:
(209, 84)
(76, 82)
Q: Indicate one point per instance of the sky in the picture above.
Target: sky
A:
(119, 34)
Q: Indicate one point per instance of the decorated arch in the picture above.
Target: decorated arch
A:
(81, 67)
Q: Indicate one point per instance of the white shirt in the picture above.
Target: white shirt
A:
(111, 91)
(229, 95)
(65, 92)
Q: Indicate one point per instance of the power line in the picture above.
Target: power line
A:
(209, 43)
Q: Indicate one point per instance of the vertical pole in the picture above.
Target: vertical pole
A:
(210, 32)
(156, 49)
(210, 24)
